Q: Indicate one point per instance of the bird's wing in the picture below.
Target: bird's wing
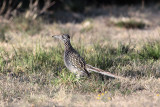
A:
(78, 62)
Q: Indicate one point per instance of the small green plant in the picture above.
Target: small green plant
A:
(132, 24)
(150, 51)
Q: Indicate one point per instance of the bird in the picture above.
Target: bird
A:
(75, 63)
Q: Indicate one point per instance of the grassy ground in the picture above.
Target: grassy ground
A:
(32, 72)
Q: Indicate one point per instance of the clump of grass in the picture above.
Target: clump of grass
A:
(28, 25)
(131, 24)
(107, 56)
(150, 51)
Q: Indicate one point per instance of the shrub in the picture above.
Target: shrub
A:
(132, 24)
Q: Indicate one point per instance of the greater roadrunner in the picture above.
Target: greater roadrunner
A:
(75, 63)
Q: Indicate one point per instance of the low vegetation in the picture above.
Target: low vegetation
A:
(32, 71)
(45, 68)
(131, 24)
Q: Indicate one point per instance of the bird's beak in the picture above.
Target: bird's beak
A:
(57, 36)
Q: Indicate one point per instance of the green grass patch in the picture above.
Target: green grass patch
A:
(47, 67)
(150, 51)
(107, 56)
(132, 24)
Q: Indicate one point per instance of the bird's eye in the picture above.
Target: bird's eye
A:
(68, 36)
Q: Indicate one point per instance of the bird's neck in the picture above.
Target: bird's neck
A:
(68, 45)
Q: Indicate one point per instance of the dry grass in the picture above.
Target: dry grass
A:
(32, 72)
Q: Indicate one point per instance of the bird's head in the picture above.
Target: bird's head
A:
(63, 37)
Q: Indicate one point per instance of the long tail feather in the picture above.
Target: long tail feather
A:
(90, 68)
